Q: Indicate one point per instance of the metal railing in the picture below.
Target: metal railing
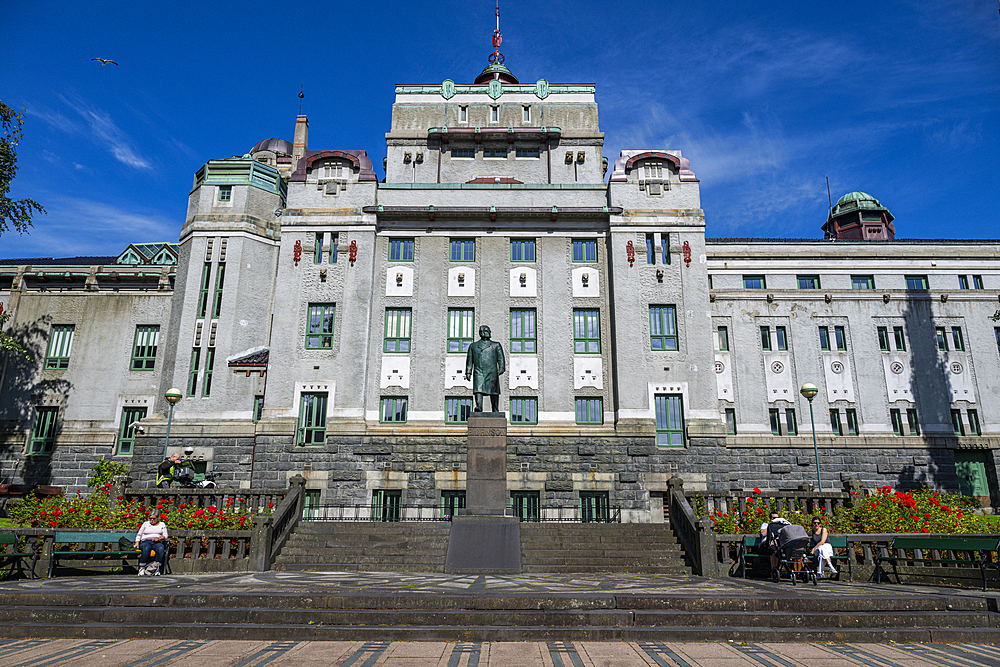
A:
(404, 513)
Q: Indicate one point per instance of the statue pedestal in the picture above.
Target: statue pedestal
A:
(484, 537)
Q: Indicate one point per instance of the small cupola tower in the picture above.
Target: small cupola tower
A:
(496, 68)
(858, 216)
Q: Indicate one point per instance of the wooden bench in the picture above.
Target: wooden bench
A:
(13, 555)
(843, 553)
(928, 550)
(121, 548)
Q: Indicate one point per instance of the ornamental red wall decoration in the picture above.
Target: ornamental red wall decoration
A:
(630, 251)
(687, 254)
(353, 253)
(298, 252)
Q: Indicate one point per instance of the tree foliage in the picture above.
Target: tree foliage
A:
(7, 343)
(14, 214)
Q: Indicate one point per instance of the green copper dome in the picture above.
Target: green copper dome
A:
(857, 201)
(857, 197)
(496, 71)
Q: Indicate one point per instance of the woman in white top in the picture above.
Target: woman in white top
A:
(152, 537)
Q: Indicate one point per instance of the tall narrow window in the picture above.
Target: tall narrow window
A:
(586, 331)
(126, 431)
(522, 250)
(852, 421)
(774, 416)
(900, 339)
(723, 338)
(897, 421)
(585, 250)
(974, 428)
(206, 278)
(754, 282)
(911, 420)
(523, 410)
(956, 422)
(957, 340)
(60, 344)
(219, 282)
(941, 339)
(526, 113)
(765, 339)
(393, 410)
(731, 421)
(463, 114)
(669, 410)
(400, 250)
(144, 347)
(209, 363)
(494, 114)
(457, 409)
(463, 250)
(397, 329)
(319, 326)
(460, 327)
(841, 336)
(791, 424)
(650, 250)
(663, 327)
(193, 373)
(334, 241)
(782, 338)
(43, 430)
(883, 339)
(963, 282)
(522, 331)
(835, 424)
(824, 338)
(977, 282)
(665, 248)
(258, 408)
(996, 335)
(312, 419)
(589, 410)
(318, 249)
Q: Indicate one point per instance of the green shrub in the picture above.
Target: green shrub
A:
(104, 471)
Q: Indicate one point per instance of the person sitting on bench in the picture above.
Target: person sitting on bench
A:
(769, 533)
(821, 547)
(152, 537)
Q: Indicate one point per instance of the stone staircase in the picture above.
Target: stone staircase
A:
(601, 547)
(375, 546)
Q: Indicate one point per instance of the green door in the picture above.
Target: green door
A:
(970, 466)
(526, 504)
(386, 505)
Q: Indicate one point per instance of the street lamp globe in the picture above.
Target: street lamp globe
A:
(173, 395)
(809, 390)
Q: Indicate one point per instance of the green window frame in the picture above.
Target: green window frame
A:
(400, 250)
(225, 193)
(398, 326)
(883, 339)
(523, 410)
(754, 282)
(774, 416)
(461, 325)
(731, 421)
(526, 505)
(258, 408)
(126, 430)
(387, 505)
(840, 336)
(974, 427)
(663, 328)
(956, 422)
(193, 373)
(912, 421)
(781, 335)
(723, 339)
(60, 346)
(147, 337)
(852, 421)
(897, 421)
(669, 409)
(765, 339)
(312, 419)
(650, 249)
(457, 409)
(209, 364)
(206, 280)
(319, 326)
(862, 282)
(522, 250)
(941, 338)
(43, 430)
(808, 282)
(963, 282)
(977, 282)
(586, 331)
(836, 425)
(392, 410)
(595, 507)
(334, 244)
(311, 504)
(463, 250)
(585, 250)
(916, 282)
(451, 503)
(957, 339)
(791, 423)
(665, 248)
(589, 410)
(220, 281)
(824, 338)
(900, 339)
(523, 333)
(318, 249)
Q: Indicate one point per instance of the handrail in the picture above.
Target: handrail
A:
(271, 532)
(696, 535)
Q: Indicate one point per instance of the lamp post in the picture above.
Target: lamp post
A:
(173, 395)
(809, 390)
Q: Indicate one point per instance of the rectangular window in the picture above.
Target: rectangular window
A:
(522, 250)
(60, 344)
(586, 331)
(43, 431)
(494, 114)
(594, 507)
(460, 326)
(589, 411)
(900, 339)
(457, 409)
(710, 281)
(852, 421)
(911, 420)
(126, 432)
(824, 338)
(862, 282)
(808, 282)
(670, 420)
(526, 151)
(650, 249)
(663, 327)
(225, 193)
(957, 339)
(731, 421)
(723, 339)
(206, 277)
(897, 421)
(463, 114)
(386, 505)
(791, 424)
(463, 250)
(754, 282)
(782, 338)
(397, 329)
(526, 113)
(258, 408)
(144, 347)
(312, 419)
(963, 282)
(775, 417)
(451, 503)
(765, 339)
(220, 280)
(996, 335)
(977, 282)
(523, 410)
(883, 339)
(835, 424)
(193, 374)
(463, 152)
(522, 331)
(916, 282)
(585, 251)
(318, 249)
(941, 339)
(665, 248)
(526, 505)
(319, 326)
(974, 428)
(400, 250)
(495, 151)
(956, 422)
(334, 241)
(209, 363)
(841, 335)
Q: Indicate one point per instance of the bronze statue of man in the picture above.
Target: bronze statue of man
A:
(484, 364)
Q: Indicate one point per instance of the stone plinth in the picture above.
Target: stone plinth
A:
(486, 464)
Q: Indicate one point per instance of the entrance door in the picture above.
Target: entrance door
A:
(525, 504)
(386, 505)
(970, 466)
(451, 502)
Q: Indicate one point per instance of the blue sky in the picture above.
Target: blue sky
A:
(899, 99)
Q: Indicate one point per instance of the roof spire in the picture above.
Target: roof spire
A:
(496, 58)
(496, 69)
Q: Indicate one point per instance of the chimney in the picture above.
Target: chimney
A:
(301, 140)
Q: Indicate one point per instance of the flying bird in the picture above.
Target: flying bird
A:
(104, 62)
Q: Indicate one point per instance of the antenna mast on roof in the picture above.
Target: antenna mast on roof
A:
(828, 195)
(496, 57)
(301, 95)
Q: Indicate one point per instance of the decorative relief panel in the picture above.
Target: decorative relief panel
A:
(395, 372)
(896, 368)
(454, 372)
(724, 376)
(522, 371)
(523, 281)
(778, 377)
(959, 377)
(462, 281)
(839, 378)
(586, 281)
(399, 281)
(588, 372)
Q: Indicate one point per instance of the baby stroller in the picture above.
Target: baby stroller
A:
(791, 544)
